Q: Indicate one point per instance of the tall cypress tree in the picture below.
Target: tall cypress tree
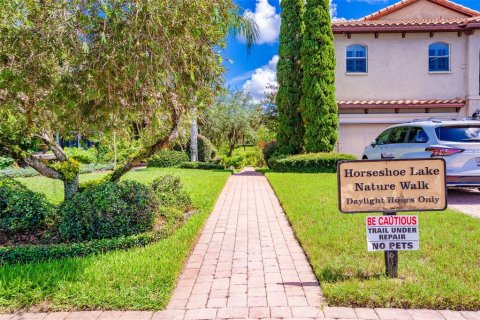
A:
(289, 77)
(319, 108)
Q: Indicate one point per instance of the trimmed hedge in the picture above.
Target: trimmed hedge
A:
(34, 253)
(108, 210)
(167, 158)
(21, 210)
(309, 163)
(30, 172)
(169, 192)
(5, 162)
(201, 165)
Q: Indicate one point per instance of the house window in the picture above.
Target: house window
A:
(356, 58)
(439, 57)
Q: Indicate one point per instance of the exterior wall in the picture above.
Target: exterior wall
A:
(398, 67)
(422, 9)
(473, 73)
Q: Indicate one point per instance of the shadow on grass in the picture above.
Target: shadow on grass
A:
(330, 275)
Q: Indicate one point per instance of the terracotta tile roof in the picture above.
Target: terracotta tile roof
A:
(404, 22)
(404, 3)
(386, 104)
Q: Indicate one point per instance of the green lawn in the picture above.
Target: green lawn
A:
(443, 274)
(137, 279)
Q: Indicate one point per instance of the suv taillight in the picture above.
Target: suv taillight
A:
(443, 151)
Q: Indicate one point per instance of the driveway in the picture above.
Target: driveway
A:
(465, 200)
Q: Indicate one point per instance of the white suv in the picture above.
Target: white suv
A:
(457, 141)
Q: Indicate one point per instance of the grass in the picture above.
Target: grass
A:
(443, 274)
(137, 279)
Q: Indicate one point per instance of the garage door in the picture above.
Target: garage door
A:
(354, 137)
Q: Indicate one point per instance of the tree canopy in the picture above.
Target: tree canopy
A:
(96, 66)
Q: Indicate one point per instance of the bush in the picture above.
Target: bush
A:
(201, 165)
(35, 253)
(169, 193)
(21, 210)
(167, 158)
(206, 149)
(310, 162)
(270, 150)
(30, 172)
(108, 210)
(235, 161)
(86, 156)
(253, 157)
(5, 162)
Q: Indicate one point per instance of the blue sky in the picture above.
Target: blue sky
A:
(254, 71)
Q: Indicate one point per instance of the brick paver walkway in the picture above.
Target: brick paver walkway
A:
(248, 264)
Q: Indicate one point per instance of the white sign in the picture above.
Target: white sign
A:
(392, 233)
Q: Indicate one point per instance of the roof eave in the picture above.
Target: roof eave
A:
(400, 29)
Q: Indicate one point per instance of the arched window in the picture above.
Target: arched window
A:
(438, 57)
(357, 58)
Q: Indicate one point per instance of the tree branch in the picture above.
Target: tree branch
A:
(56, 149)
(41, 167)
(160, 144)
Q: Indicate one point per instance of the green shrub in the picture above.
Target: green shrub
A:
(30, 172)
(5, 162)
(167, 158)
(270, 150)
(253, 157)
(170, 193)
(108, 210)
(21, 210)
(35, 253)
(310, 162)
(235, 161)
(201, 165)
(206, 149)
(81, 155)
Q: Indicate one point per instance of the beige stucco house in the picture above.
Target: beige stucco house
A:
(416, 59)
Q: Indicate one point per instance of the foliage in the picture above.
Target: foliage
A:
(135, 279)
(443, 274)
(309, 162)
(35, 253)
(126, 67)
(21, 210)
(269, 150)
(5, 162)
(206, 149)
(231, 120)
(236, 162)
(108, 210)
(167, 158)
(69, 169)
(201, 165)
(251, 156)
(170, 193)
(290, 77)
(318, 105)
(29, 172)
(81, 155)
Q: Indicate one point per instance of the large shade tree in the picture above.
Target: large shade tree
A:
(290, 76)
(99, 66)
(319, 108)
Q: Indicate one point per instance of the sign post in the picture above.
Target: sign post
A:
(391, 186)
(391, 257)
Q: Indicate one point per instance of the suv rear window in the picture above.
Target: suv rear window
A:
(459, 133)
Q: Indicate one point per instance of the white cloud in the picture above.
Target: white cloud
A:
(268, 21)
(261, 78)
(333, 12)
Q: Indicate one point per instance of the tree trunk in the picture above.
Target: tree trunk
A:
(70, 187)
(230, 151)
(193, 136)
